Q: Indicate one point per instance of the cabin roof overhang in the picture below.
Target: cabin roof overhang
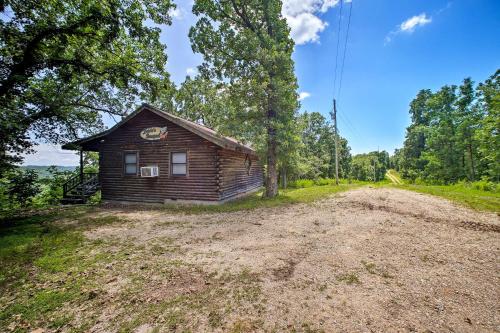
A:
(200, 130)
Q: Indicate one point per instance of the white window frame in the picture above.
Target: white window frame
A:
(172, 164)
(125, 153)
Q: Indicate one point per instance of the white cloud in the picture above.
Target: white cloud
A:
(302, 17)
(418, 20)
(305, 27)
(408, 26)
(191, 71)
(177, 13)
(303, 95)
(46, 154)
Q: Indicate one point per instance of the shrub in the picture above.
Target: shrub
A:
(22, 187)
(301, 183)
(484, 185)
(324, 181)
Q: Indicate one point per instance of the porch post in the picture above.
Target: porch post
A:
(81, 166)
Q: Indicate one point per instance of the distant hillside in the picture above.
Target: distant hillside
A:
(42, 170)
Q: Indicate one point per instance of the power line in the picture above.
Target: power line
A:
(349, 126)
(337, 53)
(345, 49)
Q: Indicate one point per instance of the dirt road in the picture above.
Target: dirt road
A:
(393, 178)
(368, 260)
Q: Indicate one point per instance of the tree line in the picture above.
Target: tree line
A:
(454, 134)
(65, 63)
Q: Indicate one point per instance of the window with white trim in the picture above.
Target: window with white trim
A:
(130, 163)
(178, 163)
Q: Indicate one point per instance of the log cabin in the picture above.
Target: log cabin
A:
(154, 156)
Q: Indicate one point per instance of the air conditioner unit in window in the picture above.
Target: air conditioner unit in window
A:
(149, 171)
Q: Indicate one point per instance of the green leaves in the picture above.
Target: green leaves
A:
(246, 45)
(454, 134)
(65, 62)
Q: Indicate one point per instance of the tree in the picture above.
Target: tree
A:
(317, 139)
(65, 62)
(247, 44)
(454, 134)
(488, 133)
(317, 152)
(469, 116)
(209, 103)
(371, 166)
(415, 142)
(22, 186)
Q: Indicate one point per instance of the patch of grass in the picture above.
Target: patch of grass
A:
(254, 201)
(370, 267)
(306, 328)
(243, 326)
(90, 222)
(373, 269)
(214, 319)
(462, 194)
(226, 292)
(44, 265)
(37, 306)
(349, 278)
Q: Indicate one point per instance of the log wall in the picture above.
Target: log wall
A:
(198, 184)
(235, 178)
(213, 173)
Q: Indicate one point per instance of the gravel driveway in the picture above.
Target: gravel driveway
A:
(367, 260)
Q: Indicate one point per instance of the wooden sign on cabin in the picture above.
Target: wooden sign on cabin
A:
(154, 133)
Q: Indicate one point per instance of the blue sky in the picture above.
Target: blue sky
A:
(395, 48)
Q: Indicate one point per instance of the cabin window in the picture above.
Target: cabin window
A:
(178, 164)
(130, 162)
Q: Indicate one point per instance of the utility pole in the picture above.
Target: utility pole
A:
(336, 142)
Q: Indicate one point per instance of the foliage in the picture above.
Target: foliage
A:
(206, 102)
(316, 158)
(304, 183)
(33, 252)
(21, 187)
(488, 133)
(454, 134)
(44, 171)
(370, 167)
(247, 45)
(52, 187)
(64, 62)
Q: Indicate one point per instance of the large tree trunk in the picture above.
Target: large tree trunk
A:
(271, 174)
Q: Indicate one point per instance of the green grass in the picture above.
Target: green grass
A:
(285, 197)
(42, 262)
(349, 278)
(462, 194)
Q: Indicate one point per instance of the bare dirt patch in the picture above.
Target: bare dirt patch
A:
(371, 259)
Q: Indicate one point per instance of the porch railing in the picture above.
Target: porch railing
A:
(82, 185)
